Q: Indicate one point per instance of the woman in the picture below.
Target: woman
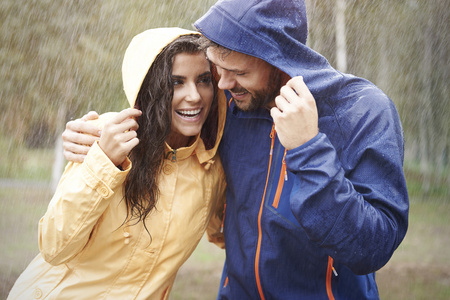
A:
(119, 227)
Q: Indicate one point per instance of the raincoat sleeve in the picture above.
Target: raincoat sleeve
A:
(82, 195)
(354, 203)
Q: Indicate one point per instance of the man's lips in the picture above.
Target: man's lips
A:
(239, 96)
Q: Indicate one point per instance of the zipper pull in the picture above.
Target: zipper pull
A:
(272, 132)
(272, 137)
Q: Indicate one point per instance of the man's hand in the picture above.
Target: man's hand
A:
(295, 114)
(119, 135)
(79, 137)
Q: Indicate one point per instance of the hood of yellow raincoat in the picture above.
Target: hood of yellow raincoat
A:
(141, 54)
(139, 57)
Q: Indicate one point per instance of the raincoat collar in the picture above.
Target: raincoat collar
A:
(198, 147)
(204, 155)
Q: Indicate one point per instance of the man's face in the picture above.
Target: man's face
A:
(252, 82)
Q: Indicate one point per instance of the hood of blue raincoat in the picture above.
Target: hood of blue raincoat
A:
(272, 30)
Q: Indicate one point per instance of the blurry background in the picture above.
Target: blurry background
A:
(60, 59)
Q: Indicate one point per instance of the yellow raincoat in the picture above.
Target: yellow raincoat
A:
(88, 250)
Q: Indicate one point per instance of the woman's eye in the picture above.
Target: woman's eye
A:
(177, 82)
(206, 79)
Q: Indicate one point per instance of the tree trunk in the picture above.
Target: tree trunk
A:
(341, 41)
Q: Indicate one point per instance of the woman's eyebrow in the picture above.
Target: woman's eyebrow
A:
(207, 73)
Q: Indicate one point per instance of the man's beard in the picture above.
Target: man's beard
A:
(261, 98)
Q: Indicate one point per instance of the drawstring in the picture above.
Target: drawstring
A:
(174, 155)
(209, 163)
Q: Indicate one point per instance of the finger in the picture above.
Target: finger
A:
(135, 126)
(83, 128)
(299, 86)
(129, 135)
(92, 115)
(128, 113)
(275, 113)
(78, 138)
(289, 94)
(79, 158)
(131, 144)
(121, 139)
(76, 148)
(128, 124)
(281, 103)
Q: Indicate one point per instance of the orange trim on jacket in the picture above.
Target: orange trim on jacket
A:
(281, 180)
(328, 281)
(258, 249)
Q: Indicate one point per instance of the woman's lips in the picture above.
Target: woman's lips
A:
(189, 113)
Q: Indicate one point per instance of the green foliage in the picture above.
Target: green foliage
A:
(402, 46)
(62, 58)
(432, 184)
(20, 162)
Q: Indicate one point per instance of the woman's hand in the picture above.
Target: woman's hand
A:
(119, 135)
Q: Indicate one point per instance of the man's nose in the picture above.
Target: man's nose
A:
(227, 80)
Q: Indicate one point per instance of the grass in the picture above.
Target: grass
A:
(21, 209)
(419, 269)
(19, 162)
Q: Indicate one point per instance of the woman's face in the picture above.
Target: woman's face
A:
(193, 94)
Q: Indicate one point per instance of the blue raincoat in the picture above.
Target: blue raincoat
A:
(317, 221)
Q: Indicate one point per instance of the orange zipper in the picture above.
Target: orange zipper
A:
(281, 180)
(330, 270)
(258, 248)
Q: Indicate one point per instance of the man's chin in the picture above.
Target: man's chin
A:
(252, 103)
(239, 103)
(242, 105)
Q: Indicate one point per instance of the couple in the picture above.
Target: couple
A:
(316, 200)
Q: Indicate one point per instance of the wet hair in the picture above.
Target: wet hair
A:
(205, 43)
(155, 101)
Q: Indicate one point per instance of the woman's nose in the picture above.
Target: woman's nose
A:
(193, 94)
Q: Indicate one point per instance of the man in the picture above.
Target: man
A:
(316, 198)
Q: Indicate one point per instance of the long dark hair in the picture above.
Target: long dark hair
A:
(155, 102)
